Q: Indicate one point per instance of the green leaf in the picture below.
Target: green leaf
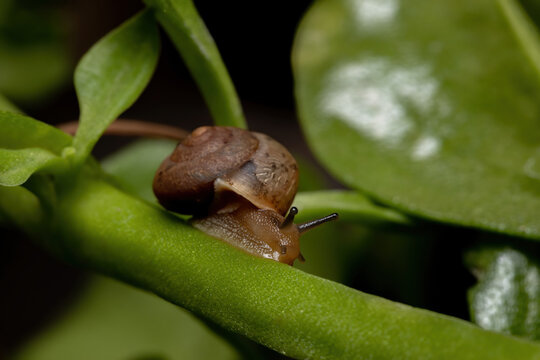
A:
(311, 177)
(351, 206)
(16, 166)
(113, 321)
(198, 49)
(297, 314)
(111, 75)
(430, 107)
(20, 131)
(333, 250)
(135, 165)
(28, 146)
(6, 105)
(33, 72)
(507, 296)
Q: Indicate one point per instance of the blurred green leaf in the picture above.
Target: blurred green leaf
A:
(331, 250)
(135, 165)
(311, 178)
(187, 31)
(112, 75)
(532, 7)
(16, 166)
(507, 296)
(33, 73)
(430, 107)
(20, 131)
(114, 321)
(6, 105)
(34, 54)
(351, 206)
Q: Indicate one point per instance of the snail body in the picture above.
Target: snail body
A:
(254, 230)
(239, 186)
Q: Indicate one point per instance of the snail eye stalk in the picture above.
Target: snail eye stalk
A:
(302, 228)
(290, 217)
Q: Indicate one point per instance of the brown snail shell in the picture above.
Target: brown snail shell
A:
(268, 180)
(215, 159)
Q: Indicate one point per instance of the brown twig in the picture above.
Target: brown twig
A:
(127, 127)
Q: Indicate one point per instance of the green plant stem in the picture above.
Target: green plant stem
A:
(192, 39)
(99, 227)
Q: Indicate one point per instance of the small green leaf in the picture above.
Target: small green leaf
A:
(507, 296)
(16, 166)
(20, 131)
(428, 106)
(111, 76)
(192, 39)
(351, 206)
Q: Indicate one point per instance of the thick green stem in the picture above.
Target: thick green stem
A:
(97, 226)
(199, 51)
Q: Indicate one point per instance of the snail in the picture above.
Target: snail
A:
(239, 186)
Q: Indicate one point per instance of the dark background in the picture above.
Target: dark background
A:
(255, 39)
